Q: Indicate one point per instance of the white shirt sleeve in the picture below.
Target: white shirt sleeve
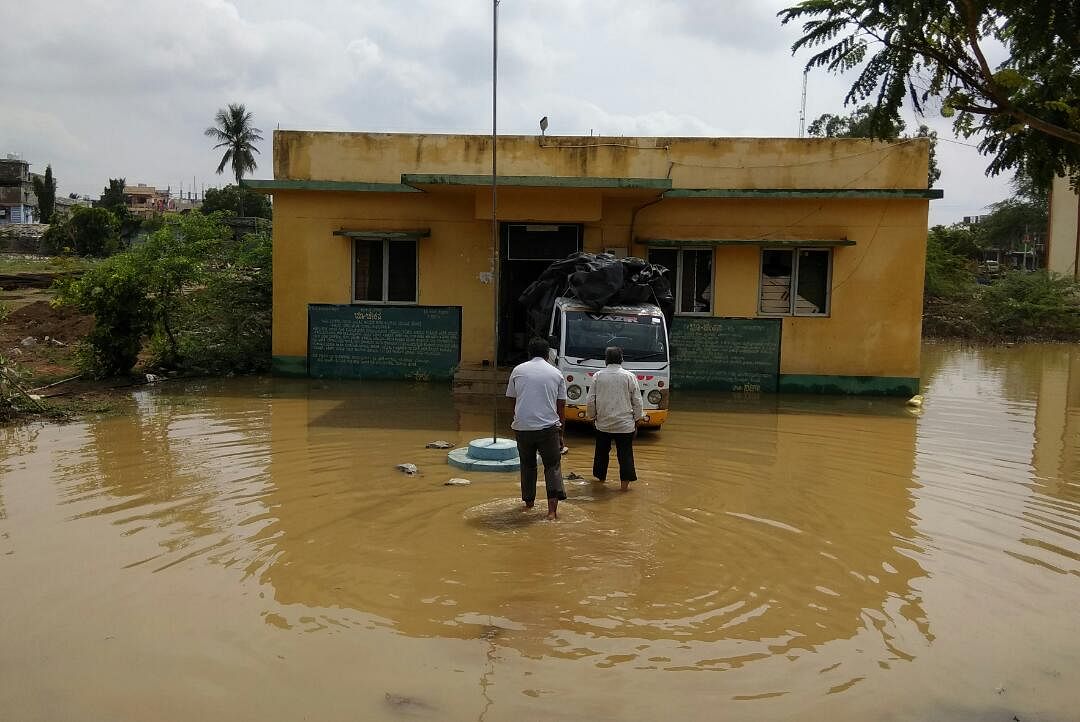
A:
(511, 387)
(635, 398)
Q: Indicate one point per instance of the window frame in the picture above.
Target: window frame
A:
(386, 271)
(795, 282)
(676, 287)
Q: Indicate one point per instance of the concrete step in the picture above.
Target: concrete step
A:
(480, 380)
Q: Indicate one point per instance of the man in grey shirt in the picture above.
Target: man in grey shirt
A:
(539, 393)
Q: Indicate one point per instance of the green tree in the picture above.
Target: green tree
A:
(45, 190)
(862, 122)
(229, 199)
(1026, 110)
(86, 232)
(236, 134)
(948, 268)
(112, 196)
(199, 299)
(114, 292)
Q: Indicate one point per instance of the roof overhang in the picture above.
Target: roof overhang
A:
(794, 193)
(408, 235)
(269, 186)
(755, 242)
(536, 181)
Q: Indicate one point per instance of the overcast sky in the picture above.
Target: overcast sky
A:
(104, 88)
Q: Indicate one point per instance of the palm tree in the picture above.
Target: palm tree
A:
(238, 136)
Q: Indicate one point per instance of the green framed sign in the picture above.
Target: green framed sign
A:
(421, 343)
(730, 354)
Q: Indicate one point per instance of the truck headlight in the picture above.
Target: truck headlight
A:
(573, 393)
(655, 397)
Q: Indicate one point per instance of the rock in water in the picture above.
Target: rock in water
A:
(409, 469)
(457, 482)
(573, 476)
(439, 445)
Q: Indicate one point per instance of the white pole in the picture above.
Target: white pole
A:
(495, 250)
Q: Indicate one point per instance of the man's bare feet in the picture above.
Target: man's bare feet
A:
(551, 516)
(553, 509)
(528, 505)
(624, 486)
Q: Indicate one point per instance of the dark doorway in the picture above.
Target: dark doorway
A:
(526, 250)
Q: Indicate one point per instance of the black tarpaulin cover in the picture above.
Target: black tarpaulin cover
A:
(597, 280)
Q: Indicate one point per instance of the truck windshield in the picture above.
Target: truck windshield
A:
(641, 338)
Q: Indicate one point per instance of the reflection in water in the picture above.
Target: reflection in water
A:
(810, 549)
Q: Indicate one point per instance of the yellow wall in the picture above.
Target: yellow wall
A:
(689, 162)
(876, 294)
(1064, 241)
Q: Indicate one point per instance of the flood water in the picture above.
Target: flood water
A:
(244, 550)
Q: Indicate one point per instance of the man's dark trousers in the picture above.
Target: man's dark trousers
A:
(549, 444)
(624, 449)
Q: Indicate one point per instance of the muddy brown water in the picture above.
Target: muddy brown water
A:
(245, 550)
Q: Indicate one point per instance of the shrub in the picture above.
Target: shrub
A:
(115, 293)
(86, 232)
(1032, 305)
(948, 274)
(202, 299)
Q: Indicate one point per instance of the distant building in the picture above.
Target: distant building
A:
(144, 201)
(973, 220)
(18, 204)
(1063, 248)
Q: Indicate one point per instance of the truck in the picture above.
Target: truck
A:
(579, 335)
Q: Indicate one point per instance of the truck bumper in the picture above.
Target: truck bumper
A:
(654, 418)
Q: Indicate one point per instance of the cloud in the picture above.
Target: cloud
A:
(121, 89)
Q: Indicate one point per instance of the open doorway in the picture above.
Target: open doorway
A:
(526, 250)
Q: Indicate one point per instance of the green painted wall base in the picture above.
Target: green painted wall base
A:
(289, 365)
(860, 385)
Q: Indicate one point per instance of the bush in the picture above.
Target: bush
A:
(201, 299)
(948, 273)
(115, 292)
(86, 232)
(1037, 305)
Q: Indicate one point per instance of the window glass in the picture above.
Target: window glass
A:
(812, 290)
(691, 279)
(641, 338)
(402, 286)
(695, 294)
(368, 270)
(776, 269)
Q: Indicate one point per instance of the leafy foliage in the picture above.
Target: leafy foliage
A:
(866, 121)
(1026, 110)
(199, 299)
(115, 293)
(1033, 305)
(86, 232)
(948, 265)
(112, 196)
(228, 199)
(236, 134)
(45, 190)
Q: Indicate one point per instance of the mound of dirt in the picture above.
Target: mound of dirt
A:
(39, 320)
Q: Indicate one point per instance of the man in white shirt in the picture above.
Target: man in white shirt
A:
(614, 406)
(539, 393)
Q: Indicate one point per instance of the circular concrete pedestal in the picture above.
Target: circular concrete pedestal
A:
(486, 454)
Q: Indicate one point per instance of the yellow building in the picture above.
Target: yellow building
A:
(823, 238)
(1063, 247)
